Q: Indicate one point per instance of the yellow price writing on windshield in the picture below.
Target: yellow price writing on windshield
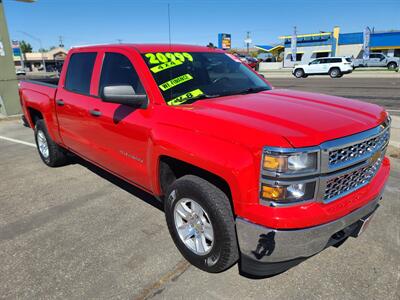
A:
(166, 66)
(185, 97)
(160, 58)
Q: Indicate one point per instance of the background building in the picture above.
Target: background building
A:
(34, 61)
(335, 43)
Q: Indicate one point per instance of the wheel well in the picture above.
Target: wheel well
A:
(172, 169)
(391, 63)
(298, 69)
(35, 115)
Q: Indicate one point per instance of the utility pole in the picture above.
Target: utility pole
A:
(248, 41)
(9, 100)
(61, 44)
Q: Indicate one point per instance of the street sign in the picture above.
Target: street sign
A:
(224, 41)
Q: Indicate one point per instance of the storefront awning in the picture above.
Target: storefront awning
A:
(278, 47)
(322, 51)
(385, 48)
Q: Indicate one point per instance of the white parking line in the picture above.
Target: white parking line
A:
(17, 141)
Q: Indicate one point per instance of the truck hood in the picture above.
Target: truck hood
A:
(304, 119)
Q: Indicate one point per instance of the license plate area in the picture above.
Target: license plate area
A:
(363, 224)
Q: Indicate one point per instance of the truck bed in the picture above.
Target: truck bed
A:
(46, 81)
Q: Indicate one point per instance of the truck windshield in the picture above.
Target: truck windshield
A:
(185, 77)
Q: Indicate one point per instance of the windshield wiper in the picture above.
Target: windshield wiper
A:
(241, 92)
(252, 90)
(203, 96)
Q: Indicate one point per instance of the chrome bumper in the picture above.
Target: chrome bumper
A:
(270, 245)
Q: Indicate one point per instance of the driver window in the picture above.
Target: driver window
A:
(118, 70)
(314, 62)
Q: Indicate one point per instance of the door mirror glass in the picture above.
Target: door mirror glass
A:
(123, 94)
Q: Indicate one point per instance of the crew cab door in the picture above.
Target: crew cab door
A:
(121, 134)
(313, 67)
(376, 60)
(72, 102)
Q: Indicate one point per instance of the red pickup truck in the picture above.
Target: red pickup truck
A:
(247, 173)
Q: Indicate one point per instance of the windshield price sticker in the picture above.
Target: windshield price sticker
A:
(166, 66)
(185, 97)
(161, 58)
(174, 82)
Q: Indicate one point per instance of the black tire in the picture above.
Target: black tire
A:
(57, 156)
(224, 251)
(298, 73)
(334, 72)
(392, 66)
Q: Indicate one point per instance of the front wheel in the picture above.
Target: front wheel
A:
(392, 66)
(334, 73)
(200, 221)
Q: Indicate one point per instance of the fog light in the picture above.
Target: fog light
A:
(297, 190)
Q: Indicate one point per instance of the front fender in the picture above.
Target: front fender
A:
(237, 164)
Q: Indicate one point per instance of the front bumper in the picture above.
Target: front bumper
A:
(282, 249)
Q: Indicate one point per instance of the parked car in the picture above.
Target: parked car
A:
(377, 60)
(251, 61)
(335, 67)
(266, 57)
(246, 173)
(20, 71)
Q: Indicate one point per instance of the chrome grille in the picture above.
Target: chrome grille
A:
(347, 183)
(358, 150)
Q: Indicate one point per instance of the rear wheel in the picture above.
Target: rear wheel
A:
(334, 73)
(392, 66)
(50, 153)
(200, 221)
(299, 73)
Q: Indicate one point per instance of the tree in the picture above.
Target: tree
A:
(25, 47)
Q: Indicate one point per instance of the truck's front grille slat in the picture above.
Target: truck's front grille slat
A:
(355, 151)
(347, 183)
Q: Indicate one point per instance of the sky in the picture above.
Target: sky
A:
(82, 22)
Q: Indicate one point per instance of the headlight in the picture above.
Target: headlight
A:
(289, 175)
(290, 163)
(288, 193)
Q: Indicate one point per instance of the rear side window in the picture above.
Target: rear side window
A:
(118, 70)
(332, 60)
(79, 73)
(348, 59)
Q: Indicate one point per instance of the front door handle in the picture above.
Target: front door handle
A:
(95, 112)
(60, 102)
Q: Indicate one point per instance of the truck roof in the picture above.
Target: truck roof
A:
(144, 48)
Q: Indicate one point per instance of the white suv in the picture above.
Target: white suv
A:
(334, 66)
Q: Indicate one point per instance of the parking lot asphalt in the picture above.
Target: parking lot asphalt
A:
(78, 232)
(381, 91)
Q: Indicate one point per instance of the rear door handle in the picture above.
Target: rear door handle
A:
(95, 112)
(60, 102)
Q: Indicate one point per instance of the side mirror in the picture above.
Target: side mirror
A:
(123, 94)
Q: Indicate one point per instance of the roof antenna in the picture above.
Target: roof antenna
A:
(169, 25)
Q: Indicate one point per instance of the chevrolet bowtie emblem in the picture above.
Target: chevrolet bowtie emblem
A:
(374, 158)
